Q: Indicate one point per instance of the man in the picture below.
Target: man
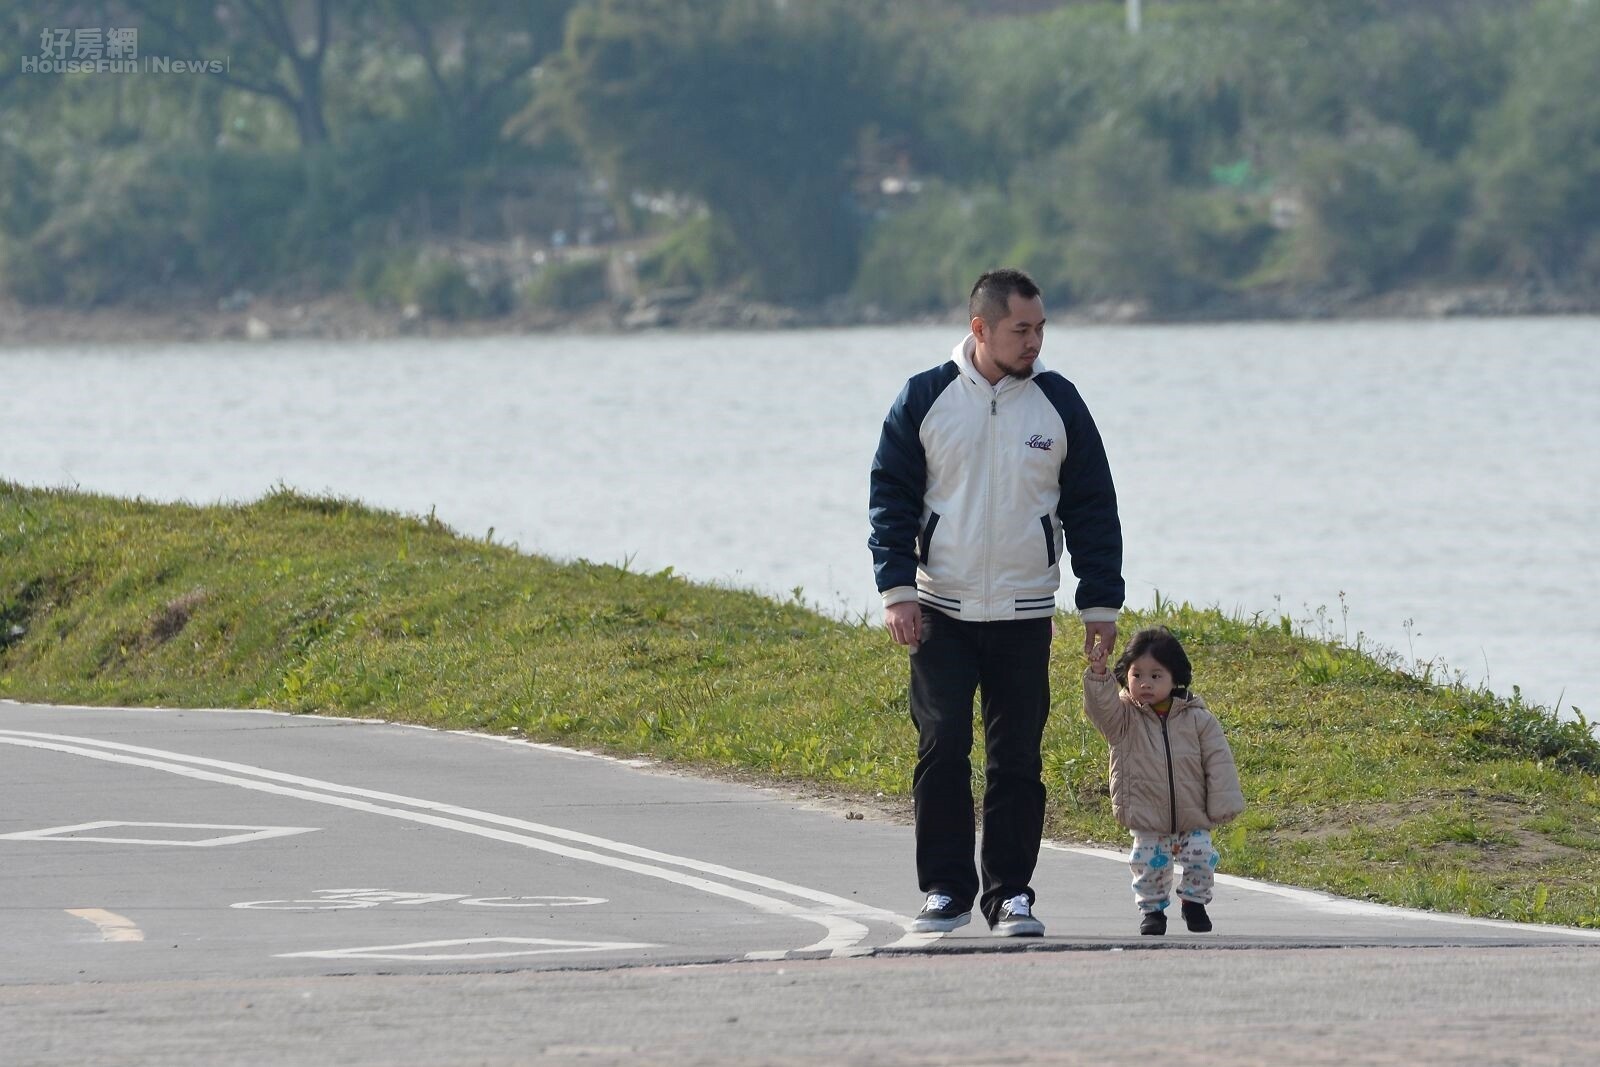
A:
(987, 467)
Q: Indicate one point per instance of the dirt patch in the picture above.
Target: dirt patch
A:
(1498, 819)
(171, 619)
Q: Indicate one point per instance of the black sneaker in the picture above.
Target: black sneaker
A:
(1016, 919)
(1154, 922)
(940, 914)
(1194, 914)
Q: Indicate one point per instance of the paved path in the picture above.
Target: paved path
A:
(187, 886)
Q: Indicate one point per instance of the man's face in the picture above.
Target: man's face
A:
(1010, 346)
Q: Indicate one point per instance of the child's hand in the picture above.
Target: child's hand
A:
(1097, 658)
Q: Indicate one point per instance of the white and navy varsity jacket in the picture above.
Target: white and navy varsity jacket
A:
(976, 489)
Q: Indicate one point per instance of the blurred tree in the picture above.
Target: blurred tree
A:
(1126, 239)
(1150, 166)
(14, 31)
(1433, 68)
(1377, 206)
(115, 240)
(1020, 88)
(1307, 60)
(21, 22)
(24, 202)
(752, 106)
(268, 53)
(476, 54)
(1537, 153)
(926, 257)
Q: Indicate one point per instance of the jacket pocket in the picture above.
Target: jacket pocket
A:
(1049, 541)
(925, 538)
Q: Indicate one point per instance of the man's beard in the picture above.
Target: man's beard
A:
(1024, 370)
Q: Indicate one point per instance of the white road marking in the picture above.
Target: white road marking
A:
(546, 946)
(344, 720)
(73, 833)
(836, 914)
(768, 955)
(916, 940)
(1328, 903)
(534, 902)
(337, 899)
(113, 927)
(325, 904)
(390, 896)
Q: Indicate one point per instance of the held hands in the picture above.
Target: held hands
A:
(1098, 639)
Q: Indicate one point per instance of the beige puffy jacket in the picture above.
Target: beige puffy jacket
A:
(1166, 777)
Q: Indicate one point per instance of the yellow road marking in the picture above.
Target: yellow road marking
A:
(113, 927)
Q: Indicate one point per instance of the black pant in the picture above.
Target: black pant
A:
(1009, 663)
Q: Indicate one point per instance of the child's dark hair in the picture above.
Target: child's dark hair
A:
(1159, 643)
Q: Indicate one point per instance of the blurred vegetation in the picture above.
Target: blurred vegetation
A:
(566, 286)
(886, 150)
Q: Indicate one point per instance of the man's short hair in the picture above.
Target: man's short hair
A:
(991, 294)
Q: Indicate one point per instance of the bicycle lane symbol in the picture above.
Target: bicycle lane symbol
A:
(339, 899)
(467, 949)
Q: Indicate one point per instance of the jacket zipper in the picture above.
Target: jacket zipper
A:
(988, 509)
(1172, 784)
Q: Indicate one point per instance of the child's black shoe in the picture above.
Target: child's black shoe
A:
(1154, 922)
(1194, 914)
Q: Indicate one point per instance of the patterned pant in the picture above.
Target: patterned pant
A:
(1153, 861)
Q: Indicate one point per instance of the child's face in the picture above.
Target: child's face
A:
(1148, 681)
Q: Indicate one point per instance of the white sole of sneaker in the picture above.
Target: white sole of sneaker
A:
(1020, 928)
(940, 926)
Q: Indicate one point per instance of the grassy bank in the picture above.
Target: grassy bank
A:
(1363, 779)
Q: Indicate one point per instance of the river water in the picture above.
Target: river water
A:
(1427, 486)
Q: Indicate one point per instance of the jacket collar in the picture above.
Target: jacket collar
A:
(1178, 704)
(961, 356)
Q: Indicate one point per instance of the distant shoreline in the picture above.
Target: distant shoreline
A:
(340, 317)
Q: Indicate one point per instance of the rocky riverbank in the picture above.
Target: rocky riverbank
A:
(339, 317)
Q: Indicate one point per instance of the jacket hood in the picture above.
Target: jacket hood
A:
(961, 356)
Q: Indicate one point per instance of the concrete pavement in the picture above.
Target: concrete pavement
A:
(159, 865)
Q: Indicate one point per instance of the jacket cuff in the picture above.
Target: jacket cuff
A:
(1099, 614)
(900, 594)
(1089, 677)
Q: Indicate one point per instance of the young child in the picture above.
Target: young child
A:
(1172, 773)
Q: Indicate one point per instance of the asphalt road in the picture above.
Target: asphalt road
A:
(209, 887)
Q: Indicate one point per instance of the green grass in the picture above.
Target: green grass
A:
(1364, 778)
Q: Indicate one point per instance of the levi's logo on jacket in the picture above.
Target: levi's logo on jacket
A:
(1041, 442)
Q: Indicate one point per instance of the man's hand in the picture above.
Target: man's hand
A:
(1097, 659)
(1102, 633)
(904, 621)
